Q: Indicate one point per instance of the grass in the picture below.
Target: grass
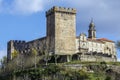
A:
(88, 62)
(93, 76)
(114, 63)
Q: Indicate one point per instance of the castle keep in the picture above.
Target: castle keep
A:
(61, 40)
(61, 29)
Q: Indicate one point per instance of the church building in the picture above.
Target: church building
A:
(95, 49)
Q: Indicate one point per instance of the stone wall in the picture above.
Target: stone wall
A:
(97, 58)
(61, 24)
(38, 44)
(25, 47)
(13, 45)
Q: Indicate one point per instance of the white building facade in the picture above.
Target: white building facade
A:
(92, 49)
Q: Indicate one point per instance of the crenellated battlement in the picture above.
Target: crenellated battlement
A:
(17, 41)
(61, 9)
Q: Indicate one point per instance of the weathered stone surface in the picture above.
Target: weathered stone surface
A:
(61, 26)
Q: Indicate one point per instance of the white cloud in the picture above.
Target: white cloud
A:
(21, 6)
(1, 1)
(27, 6)
(3, 53)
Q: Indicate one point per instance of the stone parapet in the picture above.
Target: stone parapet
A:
(61, 10)
(18, 41)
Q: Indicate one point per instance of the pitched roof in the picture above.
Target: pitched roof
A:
(100, 40)
(95, 40)
(104, 39)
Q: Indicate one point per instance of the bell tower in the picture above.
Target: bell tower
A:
(92, 30)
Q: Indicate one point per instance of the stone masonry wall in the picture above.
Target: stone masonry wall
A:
(61, 29)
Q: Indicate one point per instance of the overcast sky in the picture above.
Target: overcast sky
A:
(25, 19)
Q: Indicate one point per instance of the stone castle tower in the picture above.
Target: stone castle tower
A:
(61, 30)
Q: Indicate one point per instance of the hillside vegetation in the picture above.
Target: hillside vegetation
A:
(88, 71)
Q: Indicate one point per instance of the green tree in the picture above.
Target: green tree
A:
(3, 62)
(47, 57)
(118, 44)
(56, 57)
(34, 52)
(14, 54)
(46, 50)
(108, 78)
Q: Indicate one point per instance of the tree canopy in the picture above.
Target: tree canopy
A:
(118, 45)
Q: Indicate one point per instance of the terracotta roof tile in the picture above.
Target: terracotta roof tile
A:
(94, 40)
(104, 39)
